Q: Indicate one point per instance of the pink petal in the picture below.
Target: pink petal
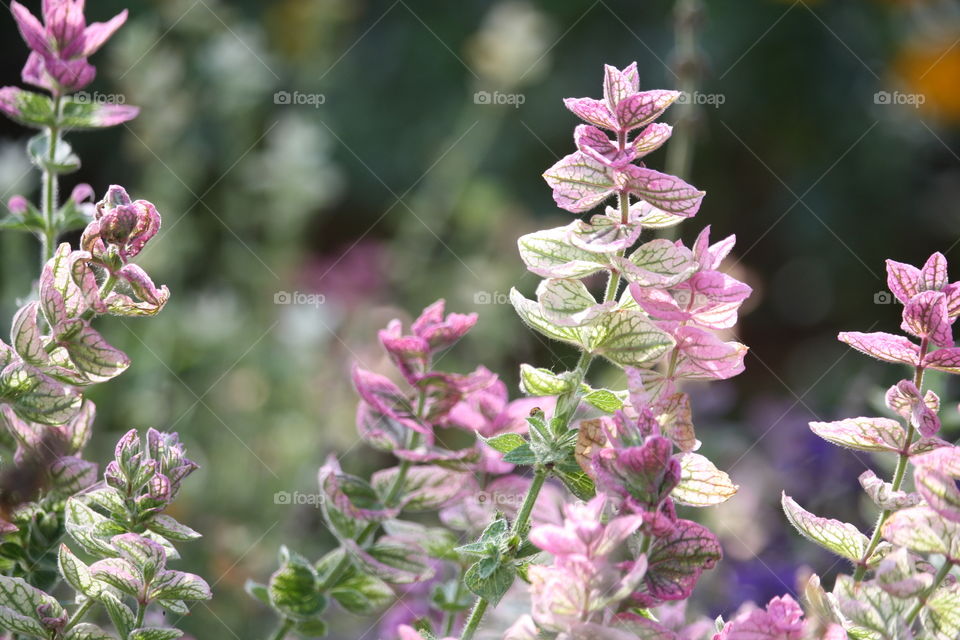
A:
(705, 356)
(595, 143)
(30, 28)
(944, 360)
(10, 101)
(98, 33)
(110, 115)
(710, 256)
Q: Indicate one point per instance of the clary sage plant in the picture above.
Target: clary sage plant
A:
(562, 501)
(108, 576)
(567, 498)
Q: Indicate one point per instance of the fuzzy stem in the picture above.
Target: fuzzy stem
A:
(523, 516)
(473, 622)
(922, 600)
(282, 630)
(48, 205)
(78, 615)
(898, 476)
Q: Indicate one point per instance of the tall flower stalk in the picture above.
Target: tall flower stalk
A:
(55, 354)
(629, 454)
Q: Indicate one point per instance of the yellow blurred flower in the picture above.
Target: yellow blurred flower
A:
(931, 67)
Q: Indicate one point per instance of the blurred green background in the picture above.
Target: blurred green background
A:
(339, 148)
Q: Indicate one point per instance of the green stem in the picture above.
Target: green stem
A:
(282, 630)
(48, 196)
(898, 476)
(523, 516)
(473, 622)
(141, 611)
(922, 600)
(78, 615)
(450, 617)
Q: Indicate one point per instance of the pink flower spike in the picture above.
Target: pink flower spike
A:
(781, 620)
(925, 316)
(441, 332)
(903, 280)
(30, 27)
(710, 256)
(593, 111)
(619, 85)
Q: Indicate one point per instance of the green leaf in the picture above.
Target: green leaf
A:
(77, 574)
(177, 585)
(257, 591)
(63, 160)
(294, 588)
(543, 382)
(522, 455)
(941, 615)
(604, 399)
(550, 254)
(923, 531)
(437, 542)
(701, 483)
(22, 599)
(569, 303)
(841, 538)
(170, 528)
(573, 477)
(311, 628)
(89, 529)
(862, 434)
(532, 315)
(488, 581)
(658, 263)
(31, 109)
(869, 607)
(94, 356)
(120, 614)
(393, 561)
(505, 442)
(86, 631)
(19, 623)
(363, 594)
(155, 633)
(37, 397)
(629, 339)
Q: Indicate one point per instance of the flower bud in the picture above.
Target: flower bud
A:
(18, 205)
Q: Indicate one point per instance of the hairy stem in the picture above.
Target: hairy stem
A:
(922, 600)
(523, 516)
(48, 204)
(898, 476)
(78, 615)
(473, 622)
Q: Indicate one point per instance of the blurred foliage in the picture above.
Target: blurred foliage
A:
(399, 188)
